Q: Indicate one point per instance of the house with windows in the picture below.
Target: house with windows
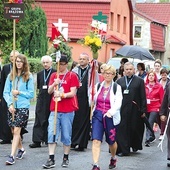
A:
(78, 16)
(151, 29)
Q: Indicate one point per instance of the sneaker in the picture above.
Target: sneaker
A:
(10, 160)
(49, 164)
(20, 154)
(152, 139)
(95, 167)
(112, 163)
(161, 137)
(147, 143)
(65, 163)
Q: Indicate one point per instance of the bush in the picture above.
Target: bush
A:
(35, 65)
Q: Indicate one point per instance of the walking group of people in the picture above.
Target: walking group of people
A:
(63, 109)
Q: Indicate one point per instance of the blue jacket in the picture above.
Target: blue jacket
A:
(26, 90)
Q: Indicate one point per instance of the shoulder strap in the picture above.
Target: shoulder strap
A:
(114, 87)
(98, 86)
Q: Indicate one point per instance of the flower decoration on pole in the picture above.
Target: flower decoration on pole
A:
(93, 41)
(15, 1)
(59, 44)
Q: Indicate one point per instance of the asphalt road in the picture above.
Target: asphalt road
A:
(147, 159)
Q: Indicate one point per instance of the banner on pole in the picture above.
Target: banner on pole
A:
(13, 11)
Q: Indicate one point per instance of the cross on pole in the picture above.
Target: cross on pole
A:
(100, 17)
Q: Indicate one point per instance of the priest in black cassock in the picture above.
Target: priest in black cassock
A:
(42, 110)
(5, 131)
(81, 123)
(131, 128)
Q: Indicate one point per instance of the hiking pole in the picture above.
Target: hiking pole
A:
(161, 142)
(13, 64)
(58, 56)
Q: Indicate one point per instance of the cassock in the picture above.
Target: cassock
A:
(5, 131)
(42, 109)
(131, 128)
(81, 123)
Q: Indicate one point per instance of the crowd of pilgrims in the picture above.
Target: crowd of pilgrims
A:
(137, 96)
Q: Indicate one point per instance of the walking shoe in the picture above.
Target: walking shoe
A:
(49, 164)
(20, 154)
(147, 143)
(112, 163)
(10, 160)
(95, 167)
(161, 137)
(65, 163)
(152, 139)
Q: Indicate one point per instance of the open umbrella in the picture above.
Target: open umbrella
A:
(135, 51)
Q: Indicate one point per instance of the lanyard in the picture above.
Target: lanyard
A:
(128, 84)
(84, 73)
(45, 79)
(60, 84)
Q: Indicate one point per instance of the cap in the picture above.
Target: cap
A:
(63, 58)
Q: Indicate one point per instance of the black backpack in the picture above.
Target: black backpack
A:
(114, 87)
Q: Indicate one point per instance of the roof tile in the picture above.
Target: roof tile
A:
(157, 11)
(78, 19)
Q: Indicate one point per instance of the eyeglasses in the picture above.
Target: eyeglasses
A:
(17, 61)
(108, 74)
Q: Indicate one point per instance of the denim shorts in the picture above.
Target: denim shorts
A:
(63, 126)
(101, 125)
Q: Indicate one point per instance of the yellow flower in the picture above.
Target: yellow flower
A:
(92, 40)
(98, 43)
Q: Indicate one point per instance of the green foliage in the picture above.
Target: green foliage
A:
(30, 32)
(59, 44)
(35, 65)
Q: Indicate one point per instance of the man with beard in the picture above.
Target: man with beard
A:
(131, 127)
(81, 123)
(5, 131)
(43, 104)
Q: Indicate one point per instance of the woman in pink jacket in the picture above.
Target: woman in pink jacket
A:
(154, 95)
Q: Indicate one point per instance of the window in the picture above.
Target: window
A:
(124, 25)
(112, 20)
(137, 31)
(118, 23)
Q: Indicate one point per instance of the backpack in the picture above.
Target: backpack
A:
(114, 87)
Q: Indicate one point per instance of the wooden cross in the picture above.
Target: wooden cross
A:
(100, 17)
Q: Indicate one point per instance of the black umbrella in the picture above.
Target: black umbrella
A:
(135, 51)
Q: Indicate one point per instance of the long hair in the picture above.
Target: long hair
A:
(25, 69)
(155, 77)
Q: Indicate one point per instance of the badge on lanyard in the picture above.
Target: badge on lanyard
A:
(126, 91)
(44, 87)
(80, 84)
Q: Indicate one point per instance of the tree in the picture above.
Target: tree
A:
(35, 43)
(30, 32)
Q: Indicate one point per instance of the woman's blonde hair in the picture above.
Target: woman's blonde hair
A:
(109, 68)
(25, 70)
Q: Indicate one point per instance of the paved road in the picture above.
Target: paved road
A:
(147, 159)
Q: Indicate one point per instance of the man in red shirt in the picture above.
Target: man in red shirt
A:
(65, 95)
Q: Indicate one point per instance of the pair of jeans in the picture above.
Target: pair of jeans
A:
(152, 117)
(63, 126)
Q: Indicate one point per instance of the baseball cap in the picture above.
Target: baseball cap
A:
(63, 58)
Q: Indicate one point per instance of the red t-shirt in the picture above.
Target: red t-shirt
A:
(66, 104)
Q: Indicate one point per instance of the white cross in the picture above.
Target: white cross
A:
(62, 28)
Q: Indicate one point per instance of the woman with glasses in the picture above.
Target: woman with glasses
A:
(106, 116)
(18, 90)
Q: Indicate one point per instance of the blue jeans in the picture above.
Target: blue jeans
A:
(63, 125)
